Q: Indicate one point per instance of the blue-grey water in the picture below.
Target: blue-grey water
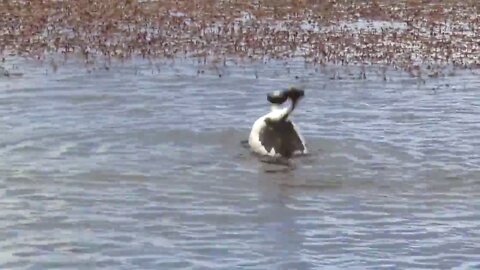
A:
(142, 167)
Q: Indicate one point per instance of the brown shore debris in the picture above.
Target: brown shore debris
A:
(404, 34)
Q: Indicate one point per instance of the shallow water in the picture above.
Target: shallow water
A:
(142, 167)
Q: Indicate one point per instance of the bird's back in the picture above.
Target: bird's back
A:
(282, 137)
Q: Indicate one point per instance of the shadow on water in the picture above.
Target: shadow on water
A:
(277, 164)
(300, 173)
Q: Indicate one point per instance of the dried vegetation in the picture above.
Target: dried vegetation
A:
(406, 34)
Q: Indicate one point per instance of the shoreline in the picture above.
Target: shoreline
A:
(408, 35)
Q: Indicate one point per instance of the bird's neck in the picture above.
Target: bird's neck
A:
(275, 107)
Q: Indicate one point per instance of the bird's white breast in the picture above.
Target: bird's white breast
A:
(254, 139)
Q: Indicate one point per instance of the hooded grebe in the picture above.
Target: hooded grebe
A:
(274, 134)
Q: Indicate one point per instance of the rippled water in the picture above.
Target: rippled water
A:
(142, 167)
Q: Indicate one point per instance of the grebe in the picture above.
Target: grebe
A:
(274, 134)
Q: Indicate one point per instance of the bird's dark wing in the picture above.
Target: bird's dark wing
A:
(281, 136)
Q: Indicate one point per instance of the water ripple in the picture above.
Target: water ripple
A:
(136, 170)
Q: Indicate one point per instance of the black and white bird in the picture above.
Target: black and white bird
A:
(274, 134)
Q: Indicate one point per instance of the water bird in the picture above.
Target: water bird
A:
(274, 134)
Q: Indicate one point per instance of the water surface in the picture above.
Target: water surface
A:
(142, 167)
